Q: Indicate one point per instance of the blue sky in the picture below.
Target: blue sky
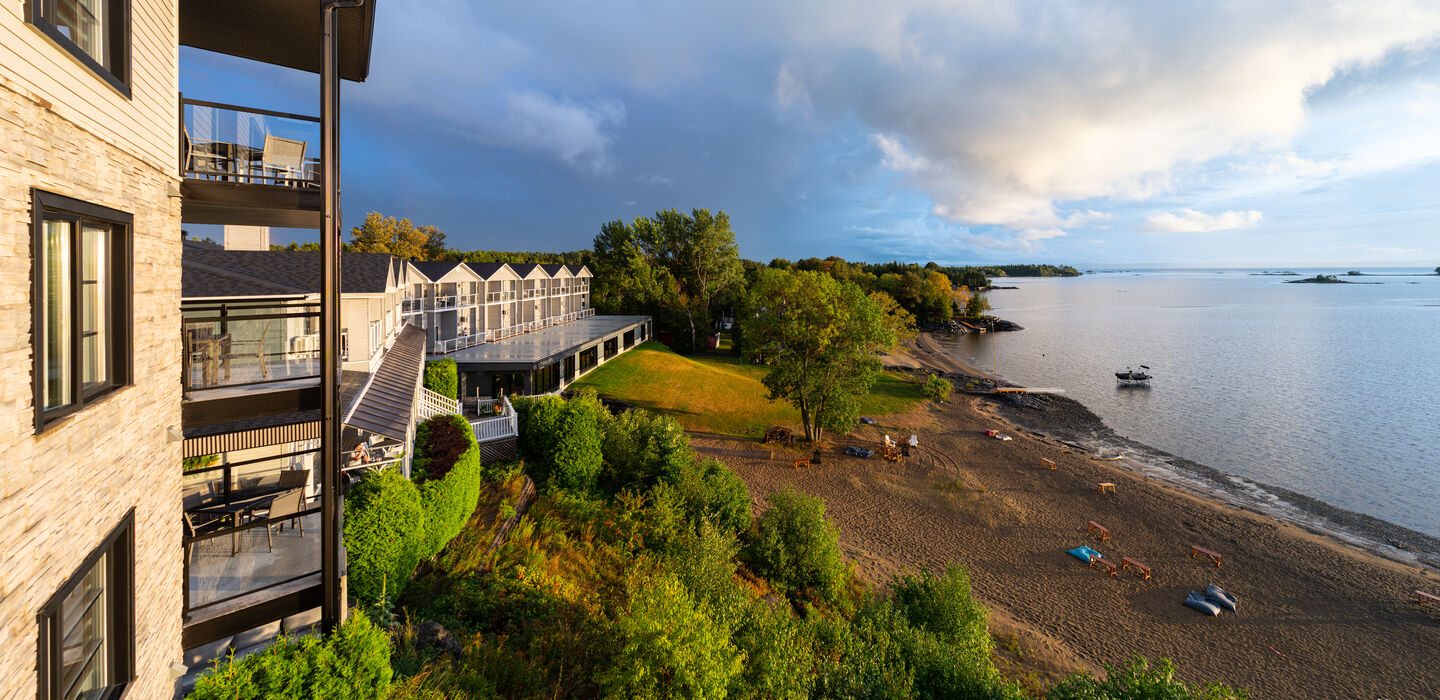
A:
(1301, 133)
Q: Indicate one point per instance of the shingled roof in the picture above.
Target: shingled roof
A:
(523, 269)
(385, 405)
(435, 269)
(247, 273)
(486, 270)
(552, 269)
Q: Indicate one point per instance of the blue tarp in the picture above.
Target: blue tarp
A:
(868, 421)
(1084, 553)
(860, 452)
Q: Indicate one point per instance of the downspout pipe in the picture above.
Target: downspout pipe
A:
(333, 607)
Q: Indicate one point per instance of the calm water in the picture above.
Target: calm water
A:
(1332, 391)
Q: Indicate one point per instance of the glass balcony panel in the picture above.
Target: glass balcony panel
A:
(239, 344)
(234, 144)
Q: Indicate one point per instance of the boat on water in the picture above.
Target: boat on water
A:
(1130, 375)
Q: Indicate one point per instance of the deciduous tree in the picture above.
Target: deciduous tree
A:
(819, 337)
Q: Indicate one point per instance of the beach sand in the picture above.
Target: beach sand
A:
(1317, 617)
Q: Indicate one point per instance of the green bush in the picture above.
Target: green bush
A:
(443, 377)
(796, 549)
(385, 534)
(936, 387)
(943, 606)
(778, 660)
(642, 449)
(667, 647)
(561, 440)
(1138, 680)
(353, 663)
(706, 491)
(450, 500)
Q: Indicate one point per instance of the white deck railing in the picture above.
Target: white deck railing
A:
(435, 404)
(496, 428)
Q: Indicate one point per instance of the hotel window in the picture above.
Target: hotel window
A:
(95, 32)
(81, 299)
(87, 629)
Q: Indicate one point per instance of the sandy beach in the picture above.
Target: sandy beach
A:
(1317, 617)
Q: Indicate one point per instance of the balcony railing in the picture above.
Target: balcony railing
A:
(228, 143)
(496, 426)
(442, 302)
(412, 306)
(458, 343)
(467, 299)
(249, 343)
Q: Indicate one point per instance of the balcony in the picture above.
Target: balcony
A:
(440, 303)
(440, 347)
(467, 300)
(412, 306)
(249, 360)
(248, 166)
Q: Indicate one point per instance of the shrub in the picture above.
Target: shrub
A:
(642, 449)
(778, 661)
(449, 501)
(668, 648)
(943, 606)
(1137, 679)
(561, 440)
(936, 387)
(443, 377)
(353, 663)
(703, 559)
(385, 533)
(797, 549)
(439, 442)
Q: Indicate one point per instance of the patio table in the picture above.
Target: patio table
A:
(236, 504)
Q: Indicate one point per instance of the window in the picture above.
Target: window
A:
(87, 629)
(95, 32)
(81, 300)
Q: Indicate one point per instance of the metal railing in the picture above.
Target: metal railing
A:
(438, 303)
(412, 306)
(467, 299)
(229, 143)
(249, 343)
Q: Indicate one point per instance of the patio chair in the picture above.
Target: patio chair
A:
(294, 478)
(286, 504)
(195, 529)
(286, 156)
(248, 349)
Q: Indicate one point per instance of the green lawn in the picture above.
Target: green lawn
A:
(718, 393)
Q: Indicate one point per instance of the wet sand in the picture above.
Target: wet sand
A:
(1317, 617)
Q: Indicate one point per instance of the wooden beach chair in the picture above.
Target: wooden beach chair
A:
(1141, 570)
(1197, 550)
(1095, 528)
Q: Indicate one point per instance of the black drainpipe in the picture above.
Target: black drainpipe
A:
(333, 605)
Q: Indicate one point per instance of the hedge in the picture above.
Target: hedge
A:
(561, 440)
(393, 523)
(443, 377)
(385, 535)
(353, 663)
(449, 500)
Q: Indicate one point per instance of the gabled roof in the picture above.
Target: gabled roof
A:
(553, 269)
(434, 269)
(580, 271)
(387, 402)
(523, 269)
(485, 270)
(222, 273)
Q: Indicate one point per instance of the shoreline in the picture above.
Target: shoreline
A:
(1068, 422)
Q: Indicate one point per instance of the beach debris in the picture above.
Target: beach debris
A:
(1277, 651)
(1220, 597)
(1197, 601)
(868, 421)
(996, 434)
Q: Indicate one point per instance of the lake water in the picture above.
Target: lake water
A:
(1329, 390)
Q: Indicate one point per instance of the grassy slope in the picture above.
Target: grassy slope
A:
(718, 393)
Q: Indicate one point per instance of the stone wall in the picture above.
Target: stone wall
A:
(62, 491)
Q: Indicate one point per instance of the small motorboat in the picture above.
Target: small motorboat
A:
(1130, 375)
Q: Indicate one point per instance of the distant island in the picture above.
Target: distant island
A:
(1267, 273)
(1320, 279)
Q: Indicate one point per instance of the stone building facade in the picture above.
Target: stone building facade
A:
(66, 485)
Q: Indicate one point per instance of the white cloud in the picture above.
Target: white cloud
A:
(1000, 111)
(578, 134)
(1189, 220)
